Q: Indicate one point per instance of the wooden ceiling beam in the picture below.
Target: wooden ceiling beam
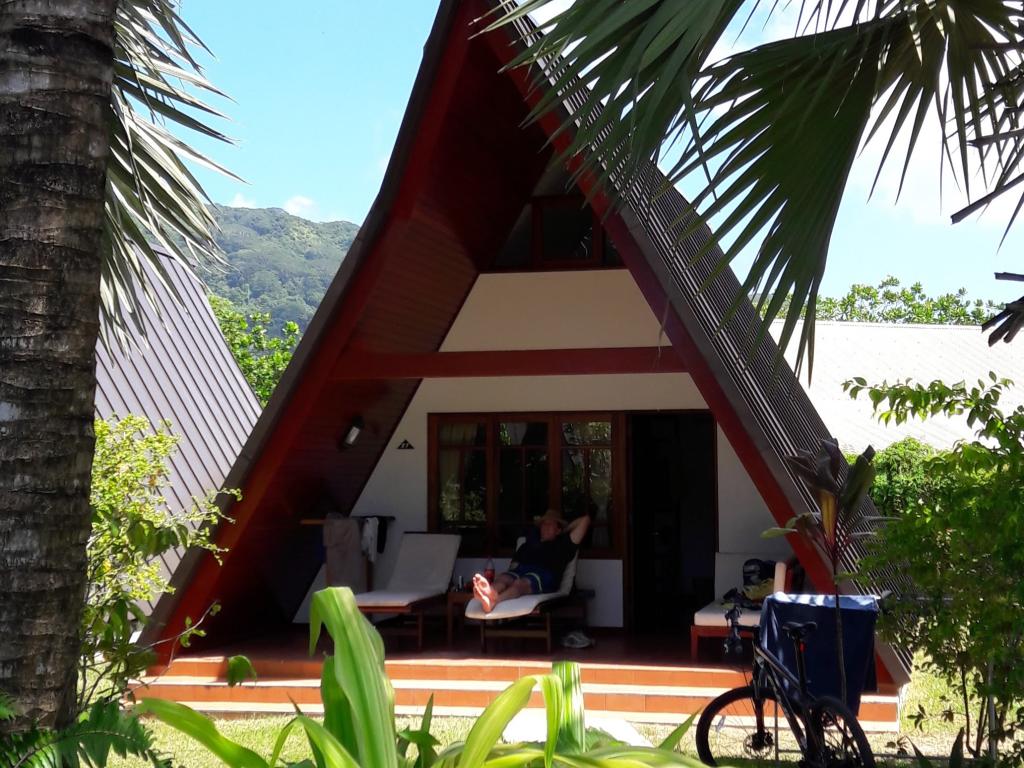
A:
(361, 365)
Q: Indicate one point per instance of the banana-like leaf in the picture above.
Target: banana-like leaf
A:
(279, 742)
(671, 742)
(551, 686)
(203, 730)
(573, 729)
(858, 483)
(359, 671)
(492, 722)
(333, 753)
(337, 710)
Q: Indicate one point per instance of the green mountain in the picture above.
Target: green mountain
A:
(277, 263)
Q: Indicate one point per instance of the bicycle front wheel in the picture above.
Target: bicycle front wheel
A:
(744, 728)
(841, 738)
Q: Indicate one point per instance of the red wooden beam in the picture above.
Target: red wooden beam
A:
(526, 362)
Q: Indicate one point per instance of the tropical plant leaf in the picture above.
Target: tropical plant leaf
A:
(671, 742)
(573, 728)
(337, 710)
(551, 686)
(492, 722)
(359, 671)
(8, 710)
(240, 669)
(333, 753)
(203, 730)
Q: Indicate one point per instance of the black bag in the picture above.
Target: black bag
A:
(756, 573)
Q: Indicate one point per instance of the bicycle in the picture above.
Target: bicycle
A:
(776, 716)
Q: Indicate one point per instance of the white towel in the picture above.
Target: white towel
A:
(370, 538)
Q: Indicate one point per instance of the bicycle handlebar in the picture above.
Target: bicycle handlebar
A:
(733, 642)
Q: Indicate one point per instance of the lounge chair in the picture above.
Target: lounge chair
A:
(419, 581)
(710, 621)
(526, 616)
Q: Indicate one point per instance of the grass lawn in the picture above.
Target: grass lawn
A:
(259, 733)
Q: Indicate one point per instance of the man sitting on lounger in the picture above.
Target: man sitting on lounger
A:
(537, 565)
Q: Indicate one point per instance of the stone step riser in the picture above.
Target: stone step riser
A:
(293, 670)
(651, 702)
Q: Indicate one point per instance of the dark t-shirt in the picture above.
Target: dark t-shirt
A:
(553, 554)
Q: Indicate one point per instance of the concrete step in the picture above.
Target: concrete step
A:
(503, 670)
(640, 702)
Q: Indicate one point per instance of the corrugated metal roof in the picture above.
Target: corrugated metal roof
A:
(182, 372)
(889, 352)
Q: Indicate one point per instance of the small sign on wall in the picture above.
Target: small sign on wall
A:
(405, 445)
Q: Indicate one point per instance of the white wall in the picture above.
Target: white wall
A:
(742, 513)
(555, 310)
(552, 310)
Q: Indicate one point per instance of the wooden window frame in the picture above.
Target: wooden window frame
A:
(619, 497)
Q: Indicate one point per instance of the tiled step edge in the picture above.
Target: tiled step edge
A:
(233, 710)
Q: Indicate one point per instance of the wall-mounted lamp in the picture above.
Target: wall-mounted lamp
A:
(354, 430)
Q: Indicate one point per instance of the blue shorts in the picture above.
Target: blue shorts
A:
(540, 578)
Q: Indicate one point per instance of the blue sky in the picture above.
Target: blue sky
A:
(319, 89)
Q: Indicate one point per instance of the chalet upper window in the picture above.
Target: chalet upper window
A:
(558, 232)
(491, 474)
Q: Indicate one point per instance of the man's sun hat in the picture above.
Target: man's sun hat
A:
(553, 516)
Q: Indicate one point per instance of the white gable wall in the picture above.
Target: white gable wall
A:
(553, 310)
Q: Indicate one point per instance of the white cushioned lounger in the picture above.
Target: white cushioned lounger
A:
(527, 604)
(423, 570)
(422, 574)
(710, 621)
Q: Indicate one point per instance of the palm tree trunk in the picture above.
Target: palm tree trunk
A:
(56, 65)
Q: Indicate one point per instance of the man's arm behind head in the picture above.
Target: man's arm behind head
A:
(578, 528)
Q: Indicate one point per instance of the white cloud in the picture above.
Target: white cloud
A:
(241, 201)
(300, 205)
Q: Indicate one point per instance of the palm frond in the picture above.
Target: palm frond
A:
(153, 200)
(774, 131)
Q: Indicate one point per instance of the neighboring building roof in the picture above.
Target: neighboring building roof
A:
(895, 352)
(406, 276)
(182, 372)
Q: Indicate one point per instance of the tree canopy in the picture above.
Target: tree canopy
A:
(261, 356)
(892, 302)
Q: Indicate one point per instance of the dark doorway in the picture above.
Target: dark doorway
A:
(672, 518)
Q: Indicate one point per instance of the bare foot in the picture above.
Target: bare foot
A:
(485, 593)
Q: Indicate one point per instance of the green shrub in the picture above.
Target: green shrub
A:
(132, 526)
(901, 476)
(959, 545)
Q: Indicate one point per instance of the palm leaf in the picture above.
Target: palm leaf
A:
(775, 130)
(152, 199)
